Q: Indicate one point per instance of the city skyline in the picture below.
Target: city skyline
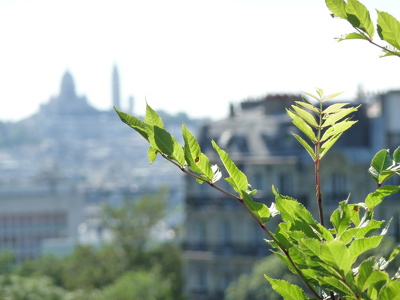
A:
(191, 56)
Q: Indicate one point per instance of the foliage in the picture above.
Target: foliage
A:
(104, 272)
(325, 259)
(387, 26)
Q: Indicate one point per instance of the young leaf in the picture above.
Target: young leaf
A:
(380, 162)
(331, 96)
(337, 128)
(353, 36)
(305, 115)
(367, 275)
(305, 145)
(335, 117)
(259, 209)
(152, 154)
(358, 16)
(336, 255)
(334, 108)
(308, 106)
(238, 179)
(373, 199)
(287, 290)
(328, 144)
(396, 155)
(302, 125)
(359, 246)
(196, 160)
(152, 118)
(337, 7)
(162, 141)
(389, 29)
(133, 122)
(390, 291)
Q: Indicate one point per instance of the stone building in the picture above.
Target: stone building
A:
(221, 240)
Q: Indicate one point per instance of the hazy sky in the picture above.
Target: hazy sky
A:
(195, 56)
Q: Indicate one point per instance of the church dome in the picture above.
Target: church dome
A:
(67, 85)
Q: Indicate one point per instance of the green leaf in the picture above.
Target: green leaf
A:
(353, 36)
(152, 118)
(259, 209)
(305, 115)
(133, 122)
(238, 179)
(162, 141)
(396, 155)
(328, 144)
(311, 95)
(380, 162)
(305, 145)
(331, 119)
(390, 291)
(334, 108)
(287, 290)
(374, 198)
(385, 175)
(308, 106)
(337, 128)
(302, 125)
(341, 218)
(331, 96)
(389, 29)
(196, 160)
(152, 154)
(359, 246)
(358, 16)
(337, 7)
(334, 284)
(368, 276)
(320, 92)
(336, 255)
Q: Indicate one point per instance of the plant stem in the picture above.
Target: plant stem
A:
(377, 45)
(317, 163)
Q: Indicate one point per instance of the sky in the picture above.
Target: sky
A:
(192, 56)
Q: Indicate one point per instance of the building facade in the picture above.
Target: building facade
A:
(221, 240)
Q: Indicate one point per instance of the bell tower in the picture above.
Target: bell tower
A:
(115, 88)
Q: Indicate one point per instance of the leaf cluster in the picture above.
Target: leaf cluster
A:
(325, 259)
(387, 26)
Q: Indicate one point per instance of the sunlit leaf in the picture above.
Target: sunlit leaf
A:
(367, 275)
(336, 255)
(311, 95)
(196, 160)
(335, 117)
(334, 108)
(238, 179)
(302, 125)
(361, 245)
(337, 128)
(259, 209)
(358, 15)
(380, 162)
(152, 118)
(305, 115)
(320, 93)
(152, 154)
(331, 96)
(287, 290)
(374, 198)
(133, 122)
(389, 29)
(328, 144)
(390, 291)
(308, 106)
(396, 155)
(352, 36)
(162, 141)
(305, 145)
(337, 7)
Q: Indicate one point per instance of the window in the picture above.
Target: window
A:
(285, 184)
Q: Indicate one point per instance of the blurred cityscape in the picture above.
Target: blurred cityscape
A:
(59, 167)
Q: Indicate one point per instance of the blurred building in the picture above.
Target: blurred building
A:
(66, 161)
(221, 240)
